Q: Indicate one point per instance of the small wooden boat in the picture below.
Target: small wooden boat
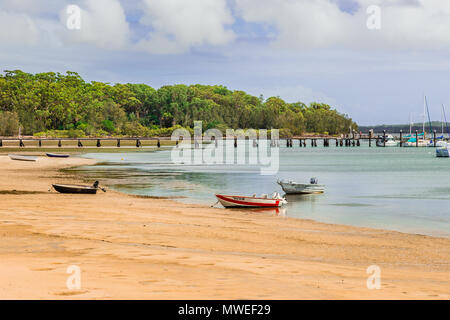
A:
(251, 202)
(57, 155)
(22, 158)
(291, 187)
(71, 188)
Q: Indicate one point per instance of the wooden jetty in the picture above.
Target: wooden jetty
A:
(353, 140)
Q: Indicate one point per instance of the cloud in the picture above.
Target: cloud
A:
(327, 23)
(178, 25)
(17, 29)
(103, 24)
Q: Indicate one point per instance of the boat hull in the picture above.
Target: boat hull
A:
(248, 202)
(302, 188)
(388, 144)
(55, 155)
(22, 158)
(74, 189)
(442, 153)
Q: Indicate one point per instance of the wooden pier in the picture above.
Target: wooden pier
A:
(138, 142)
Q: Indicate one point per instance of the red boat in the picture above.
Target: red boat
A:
(251, 202)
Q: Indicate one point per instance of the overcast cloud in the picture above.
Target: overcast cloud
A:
(303, 50)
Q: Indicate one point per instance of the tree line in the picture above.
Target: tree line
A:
(64, 104)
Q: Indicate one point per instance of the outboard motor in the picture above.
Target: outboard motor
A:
(96, 184)
(313, 180)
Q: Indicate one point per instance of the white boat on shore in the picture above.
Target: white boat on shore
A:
(251, 202)
(22, 158)
(291, 187)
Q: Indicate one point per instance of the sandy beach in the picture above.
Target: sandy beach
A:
(130, 247)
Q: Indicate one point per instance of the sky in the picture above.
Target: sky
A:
(371, 59)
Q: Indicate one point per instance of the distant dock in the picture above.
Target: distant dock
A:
(353, 140)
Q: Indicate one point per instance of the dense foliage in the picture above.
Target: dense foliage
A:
(64, 103)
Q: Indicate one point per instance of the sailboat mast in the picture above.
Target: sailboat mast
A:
(428, 113)
(445, 118)
(423, 125)
(410, 124)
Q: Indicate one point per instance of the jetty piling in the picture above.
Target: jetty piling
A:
(434, 138)
(401, 141)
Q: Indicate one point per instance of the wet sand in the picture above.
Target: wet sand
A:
(140, 248)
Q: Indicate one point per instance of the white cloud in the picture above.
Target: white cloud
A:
(302, 23)
(322, 24)
(103, 24)
(179, 25)
(17, 29)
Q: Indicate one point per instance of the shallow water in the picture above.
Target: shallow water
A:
(403, 189)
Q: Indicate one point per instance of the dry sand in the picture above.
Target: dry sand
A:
(137, 248)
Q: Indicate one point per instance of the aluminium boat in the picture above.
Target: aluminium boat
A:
(291, 187)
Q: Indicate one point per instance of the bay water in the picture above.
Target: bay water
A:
(402, 189)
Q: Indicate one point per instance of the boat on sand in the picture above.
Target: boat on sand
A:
(21, 157)
(236, 201)
(80, 189)
(57, 155)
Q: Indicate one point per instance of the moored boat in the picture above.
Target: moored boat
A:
(230, 201)
(21, 157)
(386, 141)
(291, 187)
(57, 155)
(80, 189)
(443, 152)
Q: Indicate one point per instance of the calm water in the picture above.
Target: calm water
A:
(404, 189)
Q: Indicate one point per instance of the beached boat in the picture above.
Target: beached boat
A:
(251, 202)
(71, 188)
(57, 155)
(291, 187)
(22, 158)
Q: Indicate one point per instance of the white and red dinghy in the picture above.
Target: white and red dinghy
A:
(251, 202)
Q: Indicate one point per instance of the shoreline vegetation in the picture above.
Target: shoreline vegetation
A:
(130, 247)
(66, 106)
